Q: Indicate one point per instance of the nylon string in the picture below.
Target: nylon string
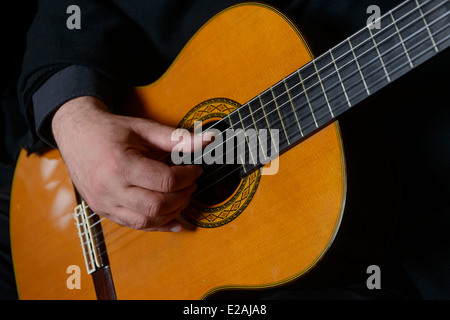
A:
(132, 231)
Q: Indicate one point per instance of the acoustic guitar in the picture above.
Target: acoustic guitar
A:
(248, 67)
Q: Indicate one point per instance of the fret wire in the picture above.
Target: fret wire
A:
(359, 68)
(217, 181)
(279, 114)
(391, 24)
(401, 41)
(242, 160)
(396, 69)
(293, 108)
(421, 54)
(372, 60)
(323, 89)
(359, 93)
(340, 80)
(261, 103)
(267, 121)
(376, 34)
(132, 234)
(426, 25)
(395, 8)
(299, 104)
(379, 54)
(246, 137)
(384, 29)
(307, 98)
(397, 44)
(257, 131)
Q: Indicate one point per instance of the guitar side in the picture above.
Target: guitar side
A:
(282, 233)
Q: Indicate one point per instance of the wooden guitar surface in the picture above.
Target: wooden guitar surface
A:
(286, 222)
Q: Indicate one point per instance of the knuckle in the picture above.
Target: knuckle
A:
(97, 185)
(153, 209)
(140, 222)
(168, 182)
(113, 166)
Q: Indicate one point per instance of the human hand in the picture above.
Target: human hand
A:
(114, 161)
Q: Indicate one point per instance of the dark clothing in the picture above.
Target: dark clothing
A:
(127, 43)
(134, 42)
(14, 22)
(69, 83)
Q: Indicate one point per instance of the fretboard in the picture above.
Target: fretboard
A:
(316, 94)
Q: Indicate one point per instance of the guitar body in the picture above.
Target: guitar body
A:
(272, 230)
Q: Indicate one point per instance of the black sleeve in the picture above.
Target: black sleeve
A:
(126, 42)
(108, 43)
(67, 84)
(134, 42)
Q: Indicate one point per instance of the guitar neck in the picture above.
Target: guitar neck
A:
(316, 94)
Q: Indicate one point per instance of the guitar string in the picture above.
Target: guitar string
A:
(135, 232)
(293, 113)
(330, 49)
(348, 52)
(373, 59)
(112, 245)
(295, 74)
(294, 123)
(132, 232)
(345, 54)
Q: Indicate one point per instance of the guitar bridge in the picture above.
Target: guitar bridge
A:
(85, 222)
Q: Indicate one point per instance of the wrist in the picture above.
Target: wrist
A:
(70, 116)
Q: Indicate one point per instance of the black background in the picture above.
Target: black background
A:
(413, 114)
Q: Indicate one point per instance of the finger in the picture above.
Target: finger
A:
(171, 139)
(154, 204)
(128, 218)
(172, 226)
(157, 176)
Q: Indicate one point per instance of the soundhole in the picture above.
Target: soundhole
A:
(222, 194)
(219, 180)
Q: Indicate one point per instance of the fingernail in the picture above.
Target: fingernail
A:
(177, 228)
